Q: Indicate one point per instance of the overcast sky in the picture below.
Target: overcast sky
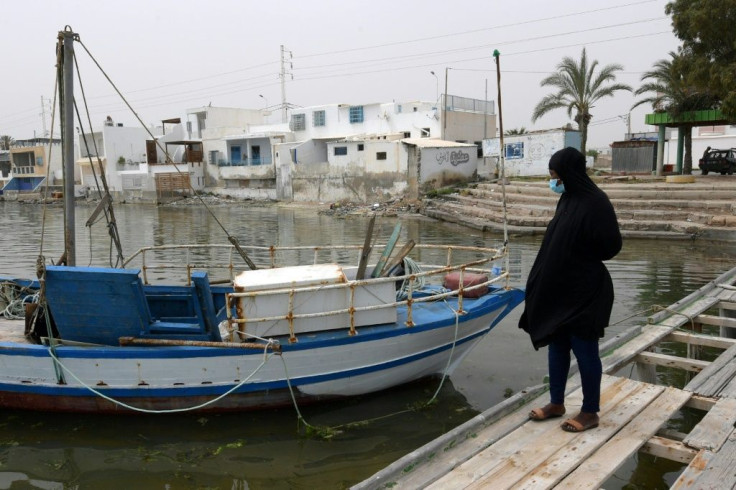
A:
(167, 56)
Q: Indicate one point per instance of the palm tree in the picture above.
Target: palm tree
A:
(513, 132)
(669, 92)
(578, 88)
(6, 141)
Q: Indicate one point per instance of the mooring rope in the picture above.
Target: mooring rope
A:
(328, 431)
(266, 358)
(655, 309)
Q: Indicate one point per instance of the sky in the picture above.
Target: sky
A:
(167, 56)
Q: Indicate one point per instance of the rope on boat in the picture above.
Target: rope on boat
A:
(266, 358)
(198, 195)
(410, 268)
(331, 430)
(12, 295)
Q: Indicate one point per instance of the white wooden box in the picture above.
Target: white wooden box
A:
(285, 279)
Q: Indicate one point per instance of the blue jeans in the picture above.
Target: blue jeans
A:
(589, 362)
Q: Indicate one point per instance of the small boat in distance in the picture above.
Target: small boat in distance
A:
(302, 324)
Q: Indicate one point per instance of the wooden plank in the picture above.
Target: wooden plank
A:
(474, 468)
(531, 441)
(699, 402)
(719, 321)
(613, 389)
(544, 464)
(700, 339)
(387, 251)
(674, 435)
(715, 470)
(711, 379)
(436, 458)
(657, 359)
(398, 258)
(688, 478)
(713, 430)
(669, 449)
(650, 335)
(727, 305)
(682, 317)
(728, 391)
(366, 251)
(600, 466)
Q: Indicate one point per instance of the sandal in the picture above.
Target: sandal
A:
(574, 425)
(549, 411)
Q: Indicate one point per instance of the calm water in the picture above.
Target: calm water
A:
(265, 449)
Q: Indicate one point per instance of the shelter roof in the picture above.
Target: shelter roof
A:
(708, 117)
(434, 143)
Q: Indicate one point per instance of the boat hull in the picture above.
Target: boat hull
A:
(321, 366)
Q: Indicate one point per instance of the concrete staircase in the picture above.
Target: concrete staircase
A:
(651, 208)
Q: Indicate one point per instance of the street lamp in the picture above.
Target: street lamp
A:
(444, 106)
(437, 88)
(265, 99)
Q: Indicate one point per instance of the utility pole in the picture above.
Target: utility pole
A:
(282, 75)
(43, 118)
(485, 124)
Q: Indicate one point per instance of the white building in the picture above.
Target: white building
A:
(213, 126)
(138, 168)
(343, 151)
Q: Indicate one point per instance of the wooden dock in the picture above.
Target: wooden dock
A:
(502, 448)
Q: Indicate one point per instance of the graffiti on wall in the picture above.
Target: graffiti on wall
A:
(453, 157)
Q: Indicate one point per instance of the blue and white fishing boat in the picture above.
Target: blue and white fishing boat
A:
(299, 324)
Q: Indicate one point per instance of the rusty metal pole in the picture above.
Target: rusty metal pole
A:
(67, 112)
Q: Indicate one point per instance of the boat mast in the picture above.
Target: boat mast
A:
(67, 37)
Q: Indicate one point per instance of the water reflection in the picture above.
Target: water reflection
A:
(263, 450)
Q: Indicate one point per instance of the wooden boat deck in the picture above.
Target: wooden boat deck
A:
(502, 448)
(12, 330)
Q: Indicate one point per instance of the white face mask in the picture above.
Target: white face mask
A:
(558, 188)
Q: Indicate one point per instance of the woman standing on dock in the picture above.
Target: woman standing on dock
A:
(569, 292)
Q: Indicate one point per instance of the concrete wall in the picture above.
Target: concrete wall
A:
(360, 175)
(439, 167)
(468, 126)
(528, 154)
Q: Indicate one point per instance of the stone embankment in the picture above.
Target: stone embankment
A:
(646, 208)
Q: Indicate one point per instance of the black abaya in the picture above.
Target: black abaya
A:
(569, 289)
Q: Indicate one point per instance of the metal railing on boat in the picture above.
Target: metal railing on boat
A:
(474, 262)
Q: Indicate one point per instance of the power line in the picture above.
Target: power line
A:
(484, 46)
(501, 26)
(466, 60)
